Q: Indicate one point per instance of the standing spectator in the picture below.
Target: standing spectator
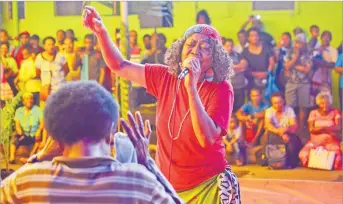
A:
(283, 48)
(298, 65)
(243, 43)
(60, 36)
(52, 67)
(339, 70)
(34, 41)
(17, 54)
(339, 49)
(8, 70)
(234, 142)
(28, 80)
(135, 50)
(257, 24)
(314, 43)
(5, 38)
(251, 115)
(96, 64)
(258, 59)
(281, 126)
(297, 30)
(324, 64)
(238, 81)
(203, 18)
(73, 60)
(147, 45)
(325, 125)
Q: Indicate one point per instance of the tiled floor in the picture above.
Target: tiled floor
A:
(266, 191)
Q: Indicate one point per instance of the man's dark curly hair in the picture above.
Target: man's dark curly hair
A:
(80, 111)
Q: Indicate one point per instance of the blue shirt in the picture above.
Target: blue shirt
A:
(249, 109)
(339, 63)
(29, 121)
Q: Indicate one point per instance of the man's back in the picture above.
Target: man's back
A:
(83, 180)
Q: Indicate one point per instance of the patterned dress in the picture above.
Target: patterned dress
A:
(326, 140)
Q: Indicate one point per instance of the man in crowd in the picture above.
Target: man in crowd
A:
(85, 131)
(17, 53)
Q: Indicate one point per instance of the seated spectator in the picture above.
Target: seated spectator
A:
(27, 78)
(9, 70)
(86, 172)
(281, 125)
(238, 81)
(28, 126)
(325, 128)
(251, 115)
(234, 142)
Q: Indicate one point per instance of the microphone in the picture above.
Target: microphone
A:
(184, 72)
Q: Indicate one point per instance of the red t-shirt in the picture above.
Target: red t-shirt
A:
(191, 164)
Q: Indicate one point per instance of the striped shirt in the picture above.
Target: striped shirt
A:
(83, 180)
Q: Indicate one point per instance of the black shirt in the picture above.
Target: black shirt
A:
(257, 63)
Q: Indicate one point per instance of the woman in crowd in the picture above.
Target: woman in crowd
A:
(192, 113)
(325, 128)
(259, 59)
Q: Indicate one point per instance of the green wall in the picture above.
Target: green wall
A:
(227, 17)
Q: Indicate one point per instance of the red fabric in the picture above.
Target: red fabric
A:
(250, 133)
(326, 140)
(190, 163)
(19, 56)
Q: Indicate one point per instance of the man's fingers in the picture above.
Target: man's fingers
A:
(133, 124)
(148, 131)
(128, 131)
(140, 123)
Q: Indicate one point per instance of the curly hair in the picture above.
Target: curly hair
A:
(80, 110)
(221, 65)
(324, 96)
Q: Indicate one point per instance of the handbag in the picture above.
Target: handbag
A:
(320, 158)
(276, 156)
(271, 86)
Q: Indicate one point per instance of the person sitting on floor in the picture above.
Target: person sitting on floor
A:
(325, 127)
(28, 126)
(251, 115)
(234, 142)
(280, 125)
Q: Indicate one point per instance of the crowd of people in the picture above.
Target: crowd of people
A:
(193, 117)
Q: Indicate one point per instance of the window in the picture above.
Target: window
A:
(9, 7)
(21, 9)
(273, 5)
(68, 8)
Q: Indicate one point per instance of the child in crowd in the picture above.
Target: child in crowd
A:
(27, 80)
(234, 141)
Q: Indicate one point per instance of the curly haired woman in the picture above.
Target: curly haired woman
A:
(192, 113)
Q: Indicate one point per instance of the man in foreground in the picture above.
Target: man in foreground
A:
(84, 126)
